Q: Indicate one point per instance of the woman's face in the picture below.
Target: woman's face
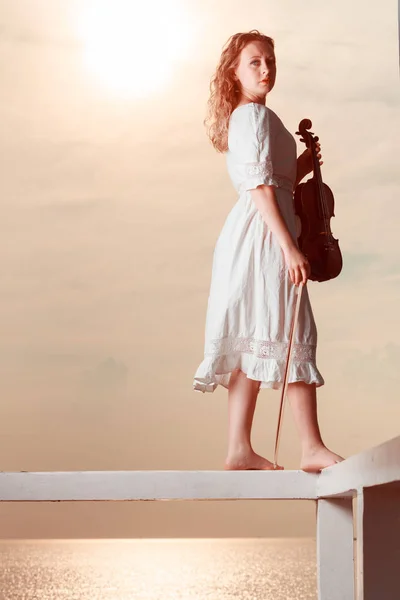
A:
(257, 63)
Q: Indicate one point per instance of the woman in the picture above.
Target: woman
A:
(257, 263)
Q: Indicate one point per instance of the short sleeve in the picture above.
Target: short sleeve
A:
(249, 141)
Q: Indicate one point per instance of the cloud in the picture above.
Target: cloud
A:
(374, 371)
(364, 266)
(108, 376)
(73, 206)
(358, 266)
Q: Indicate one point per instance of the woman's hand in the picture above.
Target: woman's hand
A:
(298, 265)
(305, 163)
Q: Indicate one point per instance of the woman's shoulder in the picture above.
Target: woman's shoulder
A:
(249, 120)
(248, 124)
(250, 108)
(250, 116)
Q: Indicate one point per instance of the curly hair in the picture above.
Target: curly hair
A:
(223, 88)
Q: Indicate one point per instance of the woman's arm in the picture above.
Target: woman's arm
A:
(265, 201)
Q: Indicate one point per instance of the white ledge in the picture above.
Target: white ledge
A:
(157, 485)
(372, 467)
(376, 466)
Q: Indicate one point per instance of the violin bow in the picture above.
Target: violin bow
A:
(288, 359)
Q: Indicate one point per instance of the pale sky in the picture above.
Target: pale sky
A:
(112, 201)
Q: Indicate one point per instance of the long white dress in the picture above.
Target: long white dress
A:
(252, 299)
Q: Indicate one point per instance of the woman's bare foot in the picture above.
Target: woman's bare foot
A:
(317, 458)
(248, 460)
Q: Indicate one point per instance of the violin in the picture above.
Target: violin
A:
(314, 207)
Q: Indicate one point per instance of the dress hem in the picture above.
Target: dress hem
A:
(215, 371)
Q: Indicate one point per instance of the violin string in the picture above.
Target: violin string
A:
(321, 188)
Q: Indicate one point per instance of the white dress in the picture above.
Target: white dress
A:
(252, 299)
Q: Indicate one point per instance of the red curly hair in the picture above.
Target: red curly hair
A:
(223, 88)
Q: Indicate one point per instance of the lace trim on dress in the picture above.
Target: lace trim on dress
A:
(261, 349)
(265, 170)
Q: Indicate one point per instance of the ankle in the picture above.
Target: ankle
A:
(311, 446)
(239, 448)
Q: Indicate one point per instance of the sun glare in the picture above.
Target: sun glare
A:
(132, 46)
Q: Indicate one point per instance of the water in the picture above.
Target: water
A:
(158, 569)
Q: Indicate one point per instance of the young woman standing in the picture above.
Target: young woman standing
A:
(257, 262)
